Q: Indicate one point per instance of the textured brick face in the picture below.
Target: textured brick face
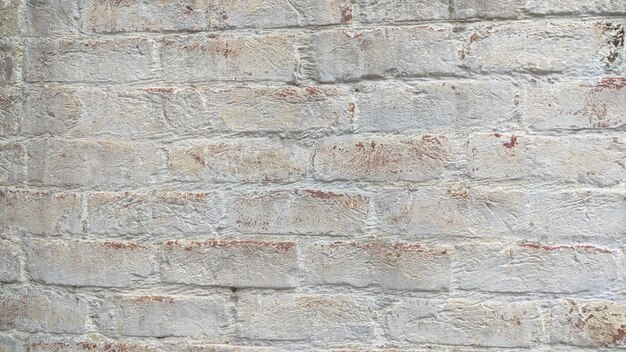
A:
(312, 175)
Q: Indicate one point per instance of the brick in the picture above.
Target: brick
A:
(33, 310)
(40, 213)
(388, 52)
(9, 343)
(401, 266)
(9, 20)
(328, 318)
(299, 211)
(433, 106)
(159, 213)
(12, 171)
(232, 263)
(583, 48)
(100, 60)
(276, 13)
(119, 113)
(240, 160)
(188, 15)
(401, 10)
(384, 158)
(10, 261)
(89, 263)
(590, 213)
(596, 7)
(49, 109)
(579, 160)
(465, 9)
(50, 17)
(88, 343)
(10, 62)
(453, 208)
(284, 109)
(225, 58)
(163, 316)
(466, 322)
(458, 209)
(594, 323)
(529, 267)
(574, 105)
(135, 16)
(94, 163)
(9, 112)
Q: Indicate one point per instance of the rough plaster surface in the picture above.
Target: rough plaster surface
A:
(312, 175)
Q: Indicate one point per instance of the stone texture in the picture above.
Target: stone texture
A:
(312, 175)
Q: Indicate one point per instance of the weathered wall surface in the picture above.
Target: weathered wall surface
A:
(350, 175)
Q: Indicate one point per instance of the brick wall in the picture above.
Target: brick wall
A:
(349, 175)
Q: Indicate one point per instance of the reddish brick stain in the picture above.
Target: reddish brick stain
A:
(395, 250)
(584, 247)
(280, 246)
(346, 13)
(512, 143)
(124, 245)
(616, 83)
(155, 298)
(320, 194)
(168, 90)
(497, 135)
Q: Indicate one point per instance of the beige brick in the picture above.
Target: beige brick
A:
(34, 310)
(232, 263)
(89, 263)
(9, 19)
(327, 318)
(466, 322)
(239, 160)
(165, 315)
(386, 52)
(299, 211)
(377, 158)
(99, 60)
(593, 161)
(225, 58)
(431, 106)
(594, 323)
(571, 48)
(159, 213)
(530, 267)
(94, 163)
(401, 266)
(573, 105)
(10, 261)
(40, 213)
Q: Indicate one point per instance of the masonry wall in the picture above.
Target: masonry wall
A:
(391, 175)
